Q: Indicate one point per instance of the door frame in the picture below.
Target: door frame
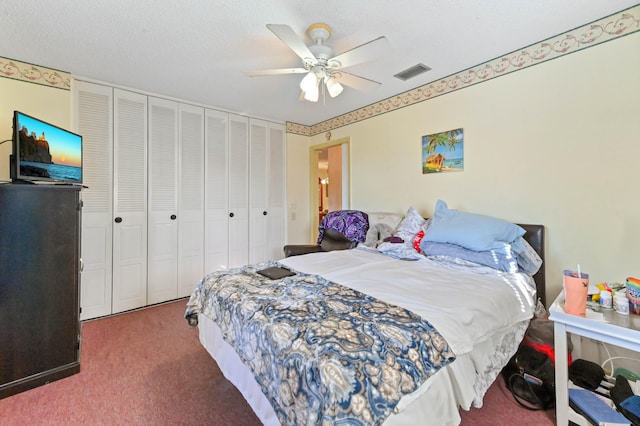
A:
(314, 203)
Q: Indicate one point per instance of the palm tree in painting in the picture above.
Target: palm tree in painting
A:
(453, 138)
(434, 141)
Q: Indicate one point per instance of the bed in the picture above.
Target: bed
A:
(473, 316)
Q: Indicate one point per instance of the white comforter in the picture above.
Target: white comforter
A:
(465, 304)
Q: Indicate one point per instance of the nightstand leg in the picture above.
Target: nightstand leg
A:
(562, 375)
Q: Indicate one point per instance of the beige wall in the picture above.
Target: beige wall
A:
(47, 103)
(299, 212)
(555, 144)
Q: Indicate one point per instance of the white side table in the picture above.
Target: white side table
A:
(619, 330)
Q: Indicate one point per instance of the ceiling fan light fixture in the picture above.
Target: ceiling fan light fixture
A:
(333, 87)
(312, 94)
(309, 82)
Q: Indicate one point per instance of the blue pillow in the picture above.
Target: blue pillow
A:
(492, 258)
(473, 231)
(528, 260)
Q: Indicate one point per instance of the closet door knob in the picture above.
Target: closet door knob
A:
(231, 214)
(264, 213)
(173, 217)
(118, 219)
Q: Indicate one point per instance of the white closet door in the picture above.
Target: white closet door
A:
(191, 202)
(276, 192)
(93, 117)
(216, 243)
(238, 190)
(129, 201)
(258, 191)
(162, 226)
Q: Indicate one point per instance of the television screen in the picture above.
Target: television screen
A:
(44, 152)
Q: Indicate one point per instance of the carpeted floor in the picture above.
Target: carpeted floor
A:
(147, 367)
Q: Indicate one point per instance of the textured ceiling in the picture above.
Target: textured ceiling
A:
(200, 50)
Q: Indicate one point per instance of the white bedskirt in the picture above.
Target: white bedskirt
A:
(456, 385)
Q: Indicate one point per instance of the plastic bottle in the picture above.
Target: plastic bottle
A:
(606, 301)
(621, 303)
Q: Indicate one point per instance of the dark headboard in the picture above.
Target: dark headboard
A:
(535, 237)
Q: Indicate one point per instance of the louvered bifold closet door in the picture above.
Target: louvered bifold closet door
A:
(258, 195)
(216, 225)
(276, 190)
(129, 201)
(163, 201)
(191, 199)
(93, 117)
(238, 190)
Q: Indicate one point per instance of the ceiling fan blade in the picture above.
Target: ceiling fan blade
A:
(277, 72)
(363, 53)
(357, 82)
(291, 39)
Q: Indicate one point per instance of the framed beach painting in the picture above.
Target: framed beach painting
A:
(443, 152)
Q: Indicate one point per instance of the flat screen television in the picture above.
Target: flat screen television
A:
(44, 152)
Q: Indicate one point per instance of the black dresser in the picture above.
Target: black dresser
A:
(39, 285)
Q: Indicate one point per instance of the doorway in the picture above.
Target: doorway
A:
(329, 180)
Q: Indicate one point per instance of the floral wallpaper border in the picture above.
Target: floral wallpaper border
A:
(609, 28)
(37, 74)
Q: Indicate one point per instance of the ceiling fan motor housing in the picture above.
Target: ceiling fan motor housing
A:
(322, 53)
(319, 32)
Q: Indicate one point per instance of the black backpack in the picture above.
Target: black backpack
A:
(530, 376)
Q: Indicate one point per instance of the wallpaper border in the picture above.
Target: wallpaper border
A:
(24, 71)
(619, 24)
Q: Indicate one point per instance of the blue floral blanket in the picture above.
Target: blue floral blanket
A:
(321, 352)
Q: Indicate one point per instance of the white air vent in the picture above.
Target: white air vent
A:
(411, 72)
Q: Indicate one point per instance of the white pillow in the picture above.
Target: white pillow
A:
(377, 233)
(410, 225)
(379, 225)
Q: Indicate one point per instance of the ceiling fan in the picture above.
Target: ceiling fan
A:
(319, 63)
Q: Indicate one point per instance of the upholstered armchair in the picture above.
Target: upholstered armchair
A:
(331, 240)
(338, 230)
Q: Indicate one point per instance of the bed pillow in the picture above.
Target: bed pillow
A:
(492, 258)
(528, 259)
(381, 226)
(410, 225)
(473, 231)
(377, 233)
